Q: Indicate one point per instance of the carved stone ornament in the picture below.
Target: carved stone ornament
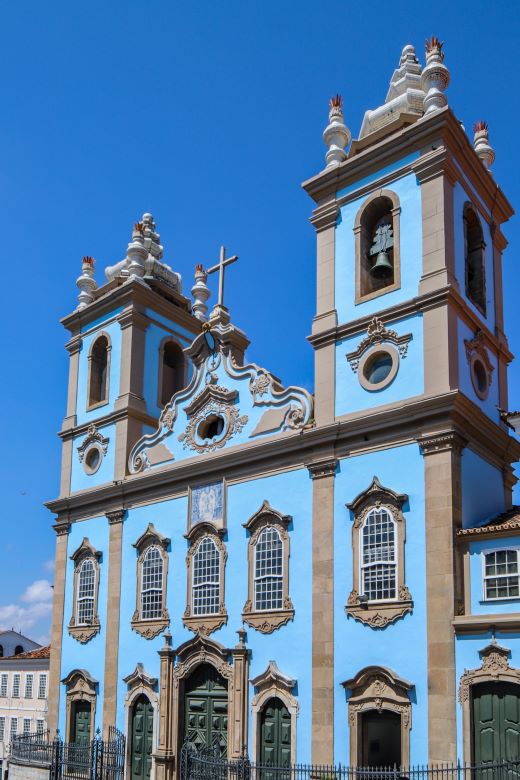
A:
(381, 689)
(377, 333)
(83, 632)
(378, 614)
(205, 624)
(442, 442)
(476, 353)
(80, 686)
(267, 621)
(140, 679)
(206, 395)
(272, 683)
(149, 628)
(93, 437)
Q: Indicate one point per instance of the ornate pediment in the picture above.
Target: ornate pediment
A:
(79, 680)
(139, 678)
(377, 333)
(219, 395)
(267, 513)
(273, 677)
(376, 494)
(151, 536)
(85, 550)
(494, 666)
(93, 437)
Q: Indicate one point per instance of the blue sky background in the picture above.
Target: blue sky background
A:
(208, 114)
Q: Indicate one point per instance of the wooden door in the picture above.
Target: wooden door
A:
(275, 735)
(206, 710)
(81, 721)
(496, 722)
(141, 739)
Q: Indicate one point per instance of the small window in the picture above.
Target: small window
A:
(18, 650)
(84, 622)
(172, 371)
(98, 372)
(14, 727)
(377, 246)
(16, 686)
(152, 585)
(206, 578)
(378, 556)
(2, 727)
(29, 679)
(86, 592)
(40, 726)
(3, 685)
(27, 725)
(501, 575)
(1, 651)
(42, 686)
(474, 256)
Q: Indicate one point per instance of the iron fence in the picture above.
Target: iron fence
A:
(95, 760)
(206, 765)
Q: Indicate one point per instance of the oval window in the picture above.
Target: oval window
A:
(211, 427)
(92, 460)
(479, 378)
(378, 367)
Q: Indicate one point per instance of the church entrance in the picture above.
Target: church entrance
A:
(496, 722)
(80, 722)
(206, 709)
(380, 739)
(141, 735)
(275, 734)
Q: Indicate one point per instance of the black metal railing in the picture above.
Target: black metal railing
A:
(97, 759)
(206, 765)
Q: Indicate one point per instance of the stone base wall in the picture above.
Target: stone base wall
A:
(21, 771)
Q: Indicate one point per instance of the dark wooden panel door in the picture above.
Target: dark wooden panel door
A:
(496, 722)
(206, 710)
(142, 739)
(275, 744)
(81, 722)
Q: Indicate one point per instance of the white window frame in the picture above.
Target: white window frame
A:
(27, 726)
(40, 725)
(144, 590)
(13, 731)
(395, 562)
(4, 685)
(89, 598)
(42, 686)
(277, 577)
(207, 583)
(487, 551)
(2, 728)
(29, 686)
(17, 684)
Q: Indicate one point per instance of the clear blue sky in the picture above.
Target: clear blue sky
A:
(209, 114)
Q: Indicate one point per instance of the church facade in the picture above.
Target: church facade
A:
(311, 578)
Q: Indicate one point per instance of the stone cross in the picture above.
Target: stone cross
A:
(220, 267)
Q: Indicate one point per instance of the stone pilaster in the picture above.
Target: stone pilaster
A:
(444, 586)
(322, 746)
(60, 565)
(74, 349)
(240, 712)
(165, 754)
(115, 520)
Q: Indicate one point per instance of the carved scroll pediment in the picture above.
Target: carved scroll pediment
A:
(267, 513)
(151, 536)
(79, 680)
(85, 550)
(494, 666)
(221, 395)
(374, 493)
(140, 678)
(93, 437)
(378, 333)
(272, 676)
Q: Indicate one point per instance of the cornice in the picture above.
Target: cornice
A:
(323, 468)
(62, 528)
(108, 419)
(507, 528)
(442, 442)
(469, 624)
(325, 216)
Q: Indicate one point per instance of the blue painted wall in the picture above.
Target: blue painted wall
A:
(482, 489)
(478, 605)
(402, 645)
(409, 193)
(408, 382)
(489, 405)
(90, 656)
(114, 331)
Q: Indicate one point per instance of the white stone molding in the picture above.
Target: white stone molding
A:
(86, 283)
(140, 683)
(206, 623)
(435, 77)
(80, 686)
(149, 628)
(481, 144)
(93, 439)
(336, 135)
(273, 684)
(201, 293)
(79, 631)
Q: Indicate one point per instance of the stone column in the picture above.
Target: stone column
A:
(240, 712)
(74, 349)
(324, 220)
(322, 745)
(62, 534)
(444, 594)
(165, 755)
(115, 520)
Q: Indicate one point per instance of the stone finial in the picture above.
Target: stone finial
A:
(201, 293)
(336, 135)
(481, 144)
(435, 76)
(137, 252)
(86, 283)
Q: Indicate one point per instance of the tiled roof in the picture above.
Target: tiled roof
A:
(506, 521)
(41, 652)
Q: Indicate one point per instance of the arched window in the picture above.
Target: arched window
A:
(152, 585)
(205, 608)
(378, 556)
(85, 593)
(1, 651)
(474, 247)
(151, 616)
(206, 578)
(98, 371)
(268, 605)
(18, 650)
(376, 232)
(172, 372)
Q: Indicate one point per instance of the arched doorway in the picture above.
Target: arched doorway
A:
(141, 736)
(275, 734)
(496, 721)
(380, 738)
(206, 709)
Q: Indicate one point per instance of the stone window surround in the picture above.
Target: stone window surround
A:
(483, 553)
(378, 688)
(80, 686)
(470, 206)
(493, 668)
(396, 218)
(105, 400)
(167, 340)
(380, 349)
(267, 621)
(84, 632)
(138, 683)
(150, 628)
(378, 614)
(205, 624)
(273, 684)
(476, 351)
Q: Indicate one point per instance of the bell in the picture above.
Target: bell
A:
(382, 268)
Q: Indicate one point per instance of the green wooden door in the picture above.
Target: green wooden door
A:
(496, 723)
(142, 739)
(275, 734)
(206, 709)
(81, 723)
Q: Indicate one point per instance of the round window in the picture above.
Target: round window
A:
(479, 377)
(378, 368)
(211, 427)
(92, 460)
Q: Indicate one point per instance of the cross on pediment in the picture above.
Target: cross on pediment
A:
(220, 267)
